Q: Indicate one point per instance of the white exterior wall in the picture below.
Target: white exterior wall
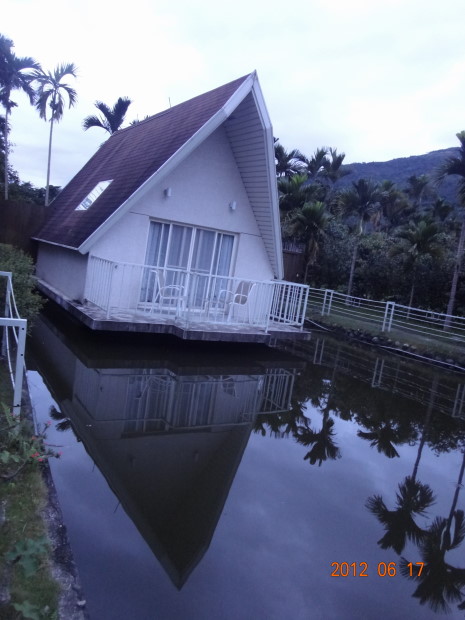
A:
(201, 189)
(63, 269)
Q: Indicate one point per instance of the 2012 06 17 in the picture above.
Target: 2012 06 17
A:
(383, 569)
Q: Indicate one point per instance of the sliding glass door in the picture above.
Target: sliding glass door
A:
(179, 250)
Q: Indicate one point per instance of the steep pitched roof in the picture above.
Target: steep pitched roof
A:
(132, 156)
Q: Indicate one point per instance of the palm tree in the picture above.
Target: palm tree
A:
(51, 94)
(288, 163)
(110, 119)
(363, 201)
(417, 240)
(293, 192)
(317, 164)
(333, 170)
(15, 74)
(455, 166)
(136, 121)
(417, 188)
(394, 204)
(308, 225)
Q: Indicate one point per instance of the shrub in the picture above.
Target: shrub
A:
(28, 301)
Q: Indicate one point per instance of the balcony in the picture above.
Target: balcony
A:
(135, 294)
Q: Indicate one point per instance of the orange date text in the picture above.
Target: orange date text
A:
(382, 569)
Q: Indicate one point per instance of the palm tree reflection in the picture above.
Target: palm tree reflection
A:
(63, 422)
(296, 424)
(322, 442)
(439, 582)
(413, 498)
(383, 438)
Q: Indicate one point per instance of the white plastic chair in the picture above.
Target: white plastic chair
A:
(167, 296)
(237, 303)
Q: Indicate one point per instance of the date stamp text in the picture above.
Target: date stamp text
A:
(382, 569)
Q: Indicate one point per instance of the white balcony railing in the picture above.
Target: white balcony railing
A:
(127, 291)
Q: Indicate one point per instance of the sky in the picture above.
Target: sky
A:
(376, 79)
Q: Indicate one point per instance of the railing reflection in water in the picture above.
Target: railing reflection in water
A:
(389, 372)
(158, 400)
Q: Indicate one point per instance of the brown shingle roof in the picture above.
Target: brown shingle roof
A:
(129, 157)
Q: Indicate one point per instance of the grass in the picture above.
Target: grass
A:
(24, 548)
(370, 321)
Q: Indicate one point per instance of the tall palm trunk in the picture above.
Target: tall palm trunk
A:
(455, 276)
(5, 139)
(354, 256)
(412, 291)
(307, 267)
(47, 187)
(352, 268)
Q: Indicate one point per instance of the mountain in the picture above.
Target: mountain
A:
(400, 169)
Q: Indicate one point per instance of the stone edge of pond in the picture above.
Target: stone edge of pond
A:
(71, 601)
(387, 344)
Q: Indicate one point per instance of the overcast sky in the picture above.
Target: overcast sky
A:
(376, 79)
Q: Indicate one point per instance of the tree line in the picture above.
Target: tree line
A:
(50, 94)
(375, 239)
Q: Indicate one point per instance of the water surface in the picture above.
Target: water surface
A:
(231, 482)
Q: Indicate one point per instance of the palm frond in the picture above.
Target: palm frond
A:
(92, 121)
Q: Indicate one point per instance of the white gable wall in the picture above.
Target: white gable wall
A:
(63, 269)
(201, 189)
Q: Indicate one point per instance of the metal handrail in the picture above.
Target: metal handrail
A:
(388, 315)
(124, 290)
(18, 326)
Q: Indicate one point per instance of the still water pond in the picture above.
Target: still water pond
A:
(228, 483)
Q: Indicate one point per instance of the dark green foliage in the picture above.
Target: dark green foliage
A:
(26, 192)
(394, 228)
(28, 301)
(332, 270)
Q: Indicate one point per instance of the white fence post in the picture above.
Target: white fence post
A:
(388, 316)
(19, 370)
(327, 299)
(20, 338)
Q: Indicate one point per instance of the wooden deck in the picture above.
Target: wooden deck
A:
(95, 319)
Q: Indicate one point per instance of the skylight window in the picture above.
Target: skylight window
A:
(93, 195)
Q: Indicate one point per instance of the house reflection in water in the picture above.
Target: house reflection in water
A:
(167, 425)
